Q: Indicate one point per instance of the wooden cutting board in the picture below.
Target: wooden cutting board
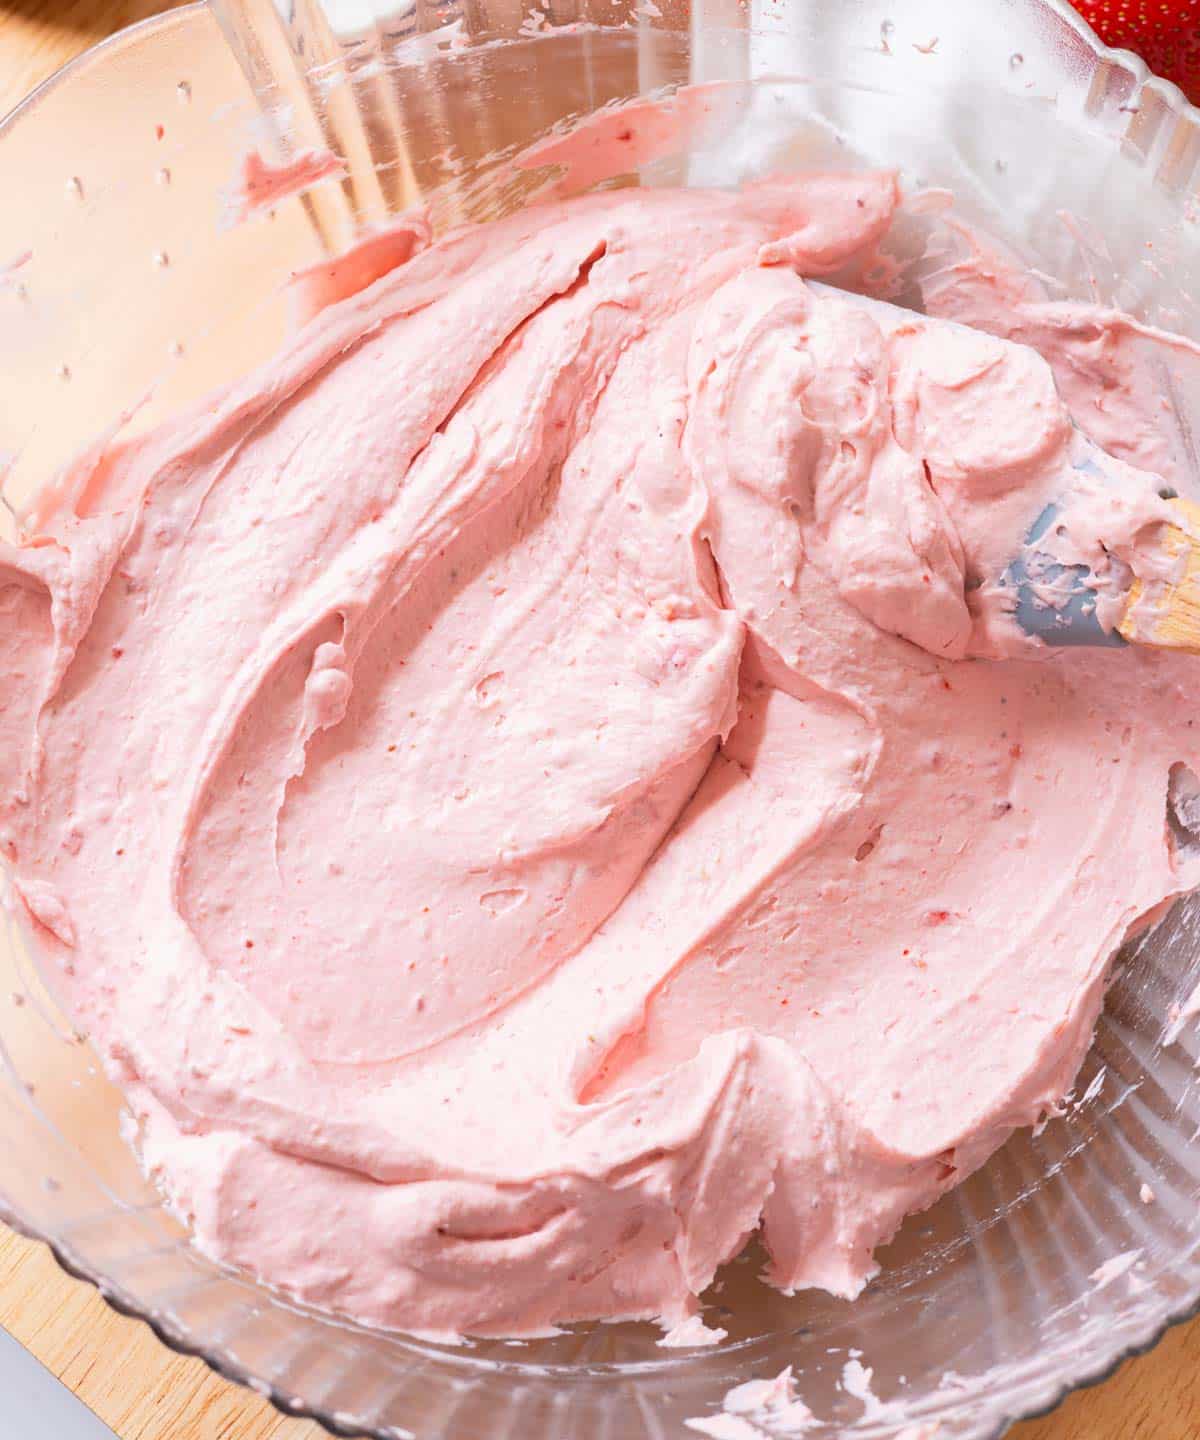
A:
(142, 1390)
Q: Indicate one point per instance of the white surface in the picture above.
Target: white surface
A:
(35, 1406)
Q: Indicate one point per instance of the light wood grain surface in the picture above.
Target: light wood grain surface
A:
(153, 1394)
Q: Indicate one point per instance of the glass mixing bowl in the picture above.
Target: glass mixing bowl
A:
(125, 291)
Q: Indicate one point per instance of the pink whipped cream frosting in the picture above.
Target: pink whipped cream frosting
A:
(540, 782)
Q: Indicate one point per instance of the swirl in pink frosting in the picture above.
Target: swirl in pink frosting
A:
(540, 781)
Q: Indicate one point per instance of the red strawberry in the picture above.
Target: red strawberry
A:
(1165, 33)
